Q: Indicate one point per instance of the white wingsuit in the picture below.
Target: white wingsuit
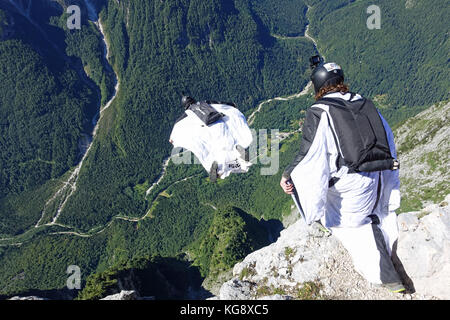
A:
(346, 207)
(216, 142)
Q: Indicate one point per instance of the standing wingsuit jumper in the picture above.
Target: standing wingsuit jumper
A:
(346, 175)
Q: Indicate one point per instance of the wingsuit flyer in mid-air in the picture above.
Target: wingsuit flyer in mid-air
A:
(217, 133)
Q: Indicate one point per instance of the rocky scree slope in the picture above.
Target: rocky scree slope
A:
(424, 150)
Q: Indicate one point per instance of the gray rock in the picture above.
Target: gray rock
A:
(27, 298)
(408, 221)
(304, 254)
(425, 252)
(123, 295)
(276, 297)
(235, 290)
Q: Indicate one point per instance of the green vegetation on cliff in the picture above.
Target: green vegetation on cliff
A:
(282, 17)
(232, 235)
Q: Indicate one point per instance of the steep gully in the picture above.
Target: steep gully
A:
(69, 186)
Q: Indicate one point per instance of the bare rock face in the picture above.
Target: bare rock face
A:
(236, 290)
(123, 295)
(306, 263)
(27, 298)
(424, 248)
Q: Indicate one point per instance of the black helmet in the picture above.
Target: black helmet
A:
(186, 101)
(325, 74)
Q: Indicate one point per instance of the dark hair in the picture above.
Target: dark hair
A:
(340, 87)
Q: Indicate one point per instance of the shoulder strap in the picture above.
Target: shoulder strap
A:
(231, 104)
(309, 130)
(344, 104)
(340, 158)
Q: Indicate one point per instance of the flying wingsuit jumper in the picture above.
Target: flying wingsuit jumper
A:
(217, 133)
(346, 176)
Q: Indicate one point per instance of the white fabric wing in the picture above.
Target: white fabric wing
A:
(216, 142)
(311, 176)
(237, 124)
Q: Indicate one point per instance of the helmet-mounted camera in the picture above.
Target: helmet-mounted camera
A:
(315, 61)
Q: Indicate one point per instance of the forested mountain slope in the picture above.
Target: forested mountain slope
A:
(157, 51)
(404, 63)
(46, 106)
(160, 49)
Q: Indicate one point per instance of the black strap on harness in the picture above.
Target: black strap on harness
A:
(205, 112)
(231, 104)
(378, 191)
(333, 181)
(375, 219)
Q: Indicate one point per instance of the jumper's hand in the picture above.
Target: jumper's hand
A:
(287, 186)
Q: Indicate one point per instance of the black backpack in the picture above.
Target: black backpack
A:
(206, 112)
(360, 134)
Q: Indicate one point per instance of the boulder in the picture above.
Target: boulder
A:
(424, 249)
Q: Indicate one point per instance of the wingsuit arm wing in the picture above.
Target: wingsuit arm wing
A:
(391, 178)
(311, 176)
(237, 124)
(308, 134)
